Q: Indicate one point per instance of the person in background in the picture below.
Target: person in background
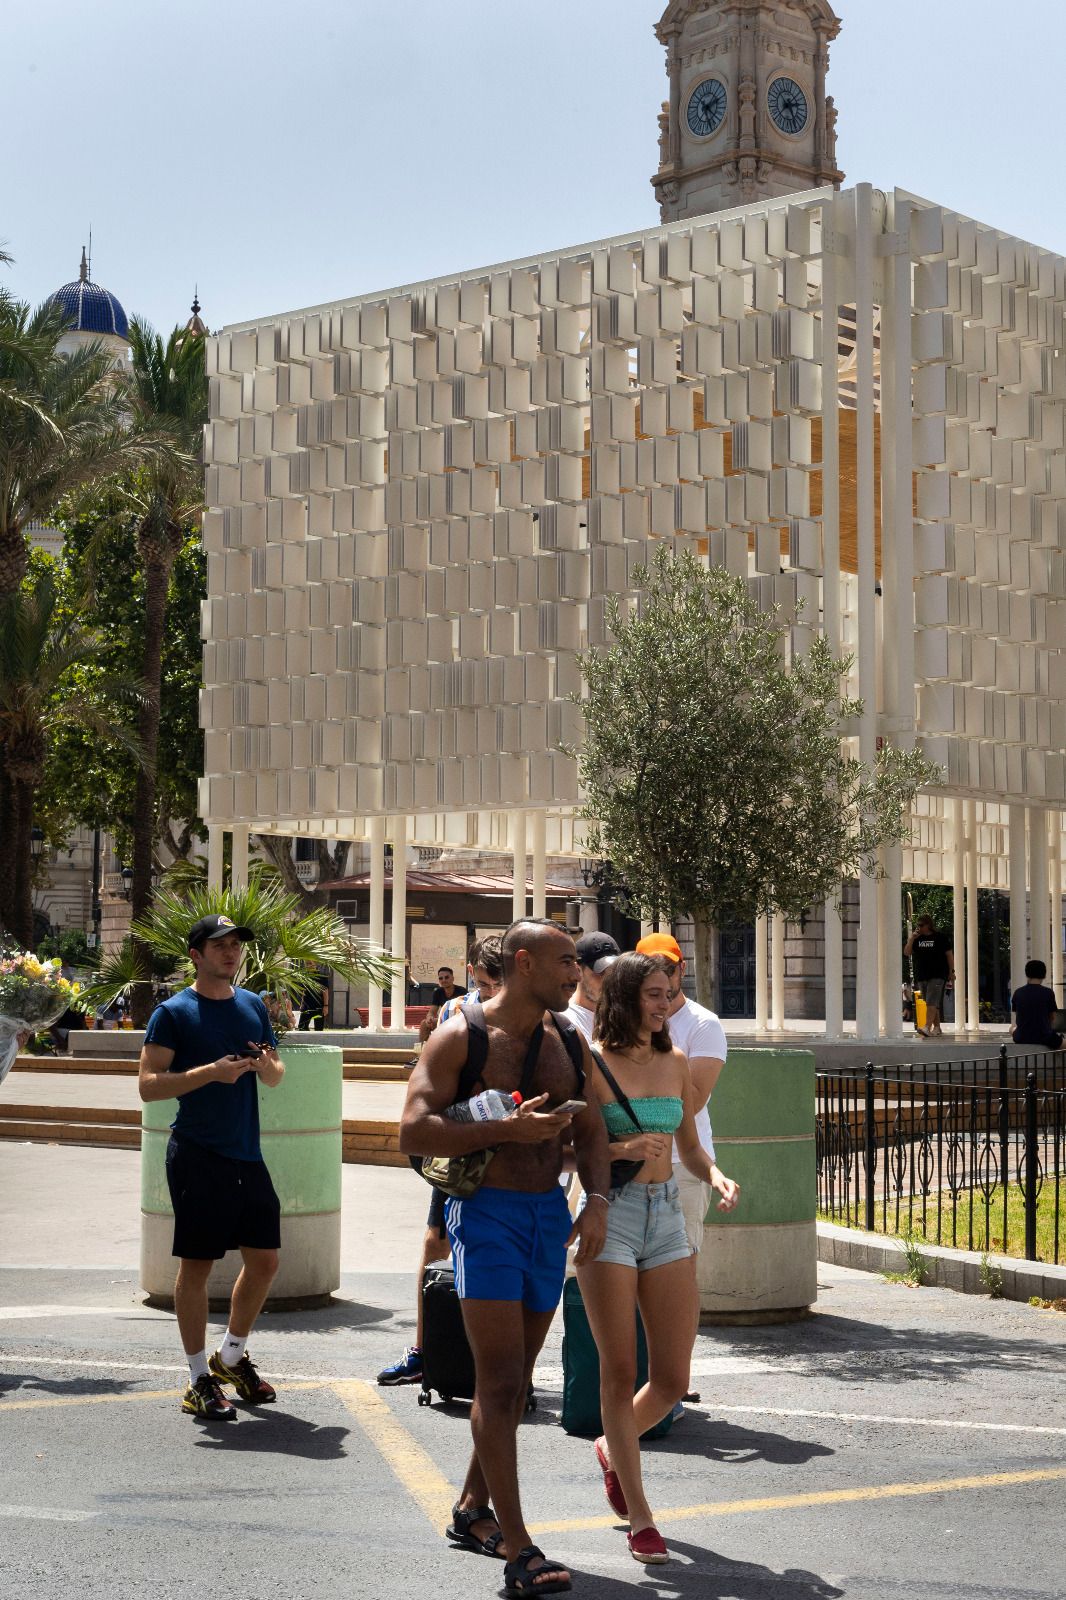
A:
(314, 1006)
(934, 971)
(484, 967)
(446, 989)
(596, 952)
(1035, 1005)
(209, 1048)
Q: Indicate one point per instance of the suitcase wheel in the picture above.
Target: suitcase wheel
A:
(446, 1399)
(531, 1403)
(424, 1397)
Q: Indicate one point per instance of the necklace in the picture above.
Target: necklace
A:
(636, 1060)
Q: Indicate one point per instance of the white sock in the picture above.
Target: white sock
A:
(198, 1367)
(232, 1348)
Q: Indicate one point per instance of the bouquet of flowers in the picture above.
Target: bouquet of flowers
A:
(33, 994)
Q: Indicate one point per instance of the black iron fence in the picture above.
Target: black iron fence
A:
(964, 1153)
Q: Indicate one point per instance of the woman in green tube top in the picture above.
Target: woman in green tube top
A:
(647, 1260)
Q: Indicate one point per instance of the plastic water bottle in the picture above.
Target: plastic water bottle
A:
(491, 1105)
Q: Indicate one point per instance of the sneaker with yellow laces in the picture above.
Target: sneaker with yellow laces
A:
(245, 1379)
(204, 1398)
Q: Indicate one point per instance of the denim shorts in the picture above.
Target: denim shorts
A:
(645, 1226)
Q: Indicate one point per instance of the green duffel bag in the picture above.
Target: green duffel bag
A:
(581, 1371)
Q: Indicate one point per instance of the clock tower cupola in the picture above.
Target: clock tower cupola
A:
(748, 116)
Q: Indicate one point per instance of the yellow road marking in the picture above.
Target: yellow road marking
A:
(827, 1497)
(111, 1399)
(405, 1458)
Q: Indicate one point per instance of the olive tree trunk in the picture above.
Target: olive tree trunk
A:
(706, 941)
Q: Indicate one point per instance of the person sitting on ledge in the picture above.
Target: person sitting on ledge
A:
(1035, 1005)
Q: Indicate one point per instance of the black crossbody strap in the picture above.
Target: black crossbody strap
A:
(619, 1094)
(530, 1063)
(572, 1041)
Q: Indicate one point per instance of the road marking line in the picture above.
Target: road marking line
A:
(47, 1513)
(33, 1312)
(899, 1422)
(405, 1458)
(826, 1497)
(53, 1401)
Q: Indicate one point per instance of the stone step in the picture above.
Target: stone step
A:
(109, 1136)
(374, 1066)
(363, 1142)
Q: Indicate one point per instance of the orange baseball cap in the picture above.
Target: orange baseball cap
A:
(659, 944)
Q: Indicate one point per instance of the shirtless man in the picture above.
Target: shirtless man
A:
(510, 1238)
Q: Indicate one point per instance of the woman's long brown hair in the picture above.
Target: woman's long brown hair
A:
(618, 1018)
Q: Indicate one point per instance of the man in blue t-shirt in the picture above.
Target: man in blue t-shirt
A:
(209, 1047)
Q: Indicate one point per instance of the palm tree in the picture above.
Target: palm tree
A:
(169, 394)
(64, 422)
(39, 648)
(289, 948)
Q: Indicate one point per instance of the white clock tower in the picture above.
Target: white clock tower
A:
(748, 116)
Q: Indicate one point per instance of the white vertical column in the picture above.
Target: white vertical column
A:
(518, 850)
(398, 991)
(834, 971)
(1016, 867)
(376, 918)
(973, 971)
(958, 906)
(1056, 903)
(867, 986)
(890, 909)
(539, 864)
(777, 971)
(833, 928)
(1039, 889)
(762, 930)
(238, 872)
(216, 847)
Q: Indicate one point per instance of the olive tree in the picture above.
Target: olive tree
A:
(713, 769)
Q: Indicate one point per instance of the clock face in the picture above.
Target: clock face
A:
(706, 107)
(788, 105)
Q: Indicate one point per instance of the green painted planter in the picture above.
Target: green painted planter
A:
(761, 1260)
(300, 1126)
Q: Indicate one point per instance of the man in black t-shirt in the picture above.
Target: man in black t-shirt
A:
(1034, 1005)
(934, 971)
(447, 988)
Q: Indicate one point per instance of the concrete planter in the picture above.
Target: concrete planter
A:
(760, 1262)
(300, 1125)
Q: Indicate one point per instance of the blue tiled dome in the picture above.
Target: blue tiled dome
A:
(90, 308)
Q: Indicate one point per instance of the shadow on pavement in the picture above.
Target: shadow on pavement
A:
(852, 1351)
(274, 1433)
(338, 1315)
(10, 1383)
(709, 1577)
(714, 1440)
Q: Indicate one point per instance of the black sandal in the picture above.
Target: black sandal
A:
(517, 1578)
(463, 1521)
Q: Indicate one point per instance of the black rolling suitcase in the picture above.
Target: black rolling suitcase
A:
(447, 1360)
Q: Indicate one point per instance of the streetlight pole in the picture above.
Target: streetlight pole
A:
(97, 911)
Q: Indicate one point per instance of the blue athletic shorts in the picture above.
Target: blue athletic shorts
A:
(510, 1245)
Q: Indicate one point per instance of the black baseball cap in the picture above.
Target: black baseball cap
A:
(597, 951)
(216, 927)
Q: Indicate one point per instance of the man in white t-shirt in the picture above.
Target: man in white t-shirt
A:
(697, 1032)
(595, 953)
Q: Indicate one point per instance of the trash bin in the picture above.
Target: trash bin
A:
(759, 1263)
(300, 1128)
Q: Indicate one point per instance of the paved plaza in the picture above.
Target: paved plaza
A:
(898, 1442)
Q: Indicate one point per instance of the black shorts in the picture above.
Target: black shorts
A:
(219, 1203)
(438, 1200)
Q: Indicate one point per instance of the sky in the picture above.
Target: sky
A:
(279, 155)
